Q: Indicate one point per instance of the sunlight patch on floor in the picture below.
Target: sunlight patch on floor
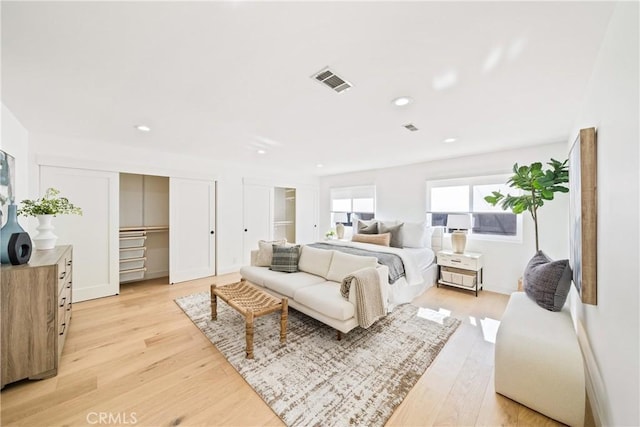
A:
(489, 329)
(435, 316)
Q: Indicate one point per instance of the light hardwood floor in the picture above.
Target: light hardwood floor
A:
(137, 359)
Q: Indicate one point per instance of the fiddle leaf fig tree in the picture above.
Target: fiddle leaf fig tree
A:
(537, 186)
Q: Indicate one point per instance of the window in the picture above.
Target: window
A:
(466, 195)
(349, 202)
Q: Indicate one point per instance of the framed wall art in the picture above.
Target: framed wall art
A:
(583, 209)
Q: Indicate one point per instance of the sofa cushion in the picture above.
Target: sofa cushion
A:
(285, 258)
(547, 282)
(315, 261)
(258, 275)
(288, 284)
(344, 264)
(265, 251)
(325, 298)
(376, 239)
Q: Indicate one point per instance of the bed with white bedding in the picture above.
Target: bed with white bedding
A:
(419, 268)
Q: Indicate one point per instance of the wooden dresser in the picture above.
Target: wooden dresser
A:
(36, 312)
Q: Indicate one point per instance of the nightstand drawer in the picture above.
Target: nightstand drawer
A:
(459, 261)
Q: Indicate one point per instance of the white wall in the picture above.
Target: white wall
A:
(15, 141)
(70, 152)
(609, 332)
(401, 195)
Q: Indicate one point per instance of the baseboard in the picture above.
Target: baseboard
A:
(228, 269)
(499, 290)
(593, 378)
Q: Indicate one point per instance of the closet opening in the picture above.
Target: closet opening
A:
(144, 227)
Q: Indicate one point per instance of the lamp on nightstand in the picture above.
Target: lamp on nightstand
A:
(459, 223)
(339, 218)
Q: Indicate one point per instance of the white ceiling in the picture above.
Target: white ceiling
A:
(224, 79)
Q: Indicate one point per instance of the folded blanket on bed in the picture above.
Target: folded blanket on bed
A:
(369, 305)
(394, 262)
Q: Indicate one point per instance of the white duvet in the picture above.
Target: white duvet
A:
(415, 260)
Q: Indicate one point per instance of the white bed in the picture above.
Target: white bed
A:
(419, 264)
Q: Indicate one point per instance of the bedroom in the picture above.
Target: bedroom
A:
(55, 140)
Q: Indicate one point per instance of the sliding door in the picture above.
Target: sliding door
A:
(191, 229)
(94, 235)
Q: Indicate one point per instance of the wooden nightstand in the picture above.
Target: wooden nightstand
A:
(462, 271)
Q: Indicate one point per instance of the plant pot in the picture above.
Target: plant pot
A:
(45, 239)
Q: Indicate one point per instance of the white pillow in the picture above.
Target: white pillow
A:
(315, 261)
(416, 235)
(265, 252)
(344, 264)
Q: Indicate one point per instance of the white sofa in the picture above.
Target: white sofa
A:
(538, 361)
(315, 288)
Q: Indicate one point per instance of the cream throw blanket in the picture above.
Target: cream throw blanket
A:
(369, 303)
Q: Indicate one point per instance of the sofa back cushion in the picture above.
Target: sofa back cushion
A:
(344, 264)
(315, 261)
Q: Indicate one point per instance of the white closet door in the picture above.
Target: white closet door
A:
(94, 235)
(191, 229)
(306, 215)
(258, 217)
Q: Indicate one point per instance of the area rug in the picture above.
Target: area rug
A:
(314, 379)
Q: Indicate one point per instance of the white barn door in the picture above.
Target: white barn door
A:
(191, 229)
(94, 235)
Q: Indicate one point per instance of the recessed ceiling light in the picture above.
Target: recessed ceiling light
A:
(143, 128)
(448, 140)
(402, 101)
(261, 152)
(319, 165)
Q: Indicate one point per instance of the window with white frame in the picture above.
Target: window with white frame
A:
(349, 202)
(466, 196)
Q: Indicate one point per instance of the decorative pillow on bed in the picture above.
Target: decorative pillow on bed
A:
(265, 251)
(396, 233)
(377, 239)
(416, 235)
(370, 227)
(547, 282)
(285, 258)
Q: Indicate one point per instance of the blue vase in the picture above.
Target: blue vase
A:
(9, 228)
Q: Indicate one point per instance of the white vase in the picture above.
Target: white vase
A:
(340, 230)
(45, 239)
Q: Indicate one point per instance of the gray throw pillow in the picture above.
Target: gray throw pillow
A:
(364, 228)
(547, 282)
(285, 258)
(396, 233)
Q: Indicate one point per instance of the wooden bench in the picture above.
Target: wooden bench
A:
(250, 302)
(538, 361)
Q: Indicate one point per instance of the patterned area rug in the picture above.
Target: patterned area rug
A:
(314, 379)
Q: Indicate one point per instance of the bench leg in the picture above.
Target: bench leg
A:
(283, 319)
(249, 331)
(214, 304)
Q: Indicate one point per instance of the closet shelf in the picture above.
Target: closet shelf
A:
(147, 228)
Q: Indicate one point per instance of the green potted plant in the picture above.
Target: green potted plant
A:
(44, 209)
(537, 187)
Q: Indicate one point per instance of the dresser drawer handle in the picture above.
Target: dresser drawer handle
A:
(62, 302)
(64, 327)
(69, 285)
(69, 306)
(64, 273)
(69, 263)
(456, 260)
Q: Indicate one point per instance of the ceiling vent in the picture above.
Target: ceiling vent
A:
(411, 127)
(331, 79)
